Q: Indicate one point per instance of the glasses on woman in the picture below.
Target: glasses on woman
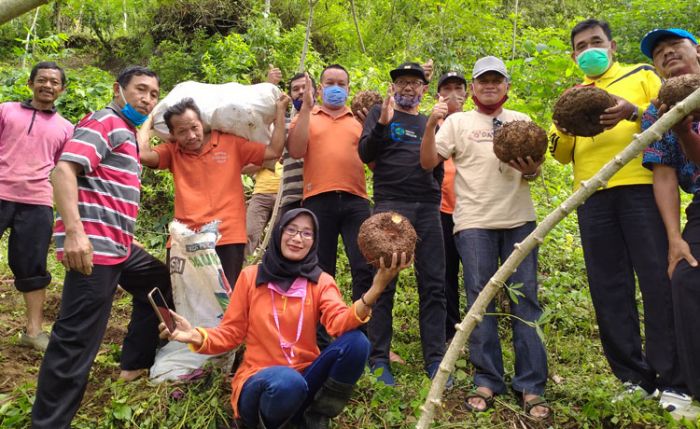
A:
(303, 233)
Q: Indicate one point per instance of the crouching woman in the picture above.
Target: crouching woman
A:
(274, 310)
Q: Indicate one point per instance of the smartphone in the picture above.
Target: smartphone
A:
(161, 308)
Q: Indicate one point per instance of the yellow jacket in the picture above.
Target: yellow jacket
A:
(638, 84)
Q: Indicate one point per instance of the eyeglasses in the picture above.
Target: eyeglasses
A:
(497, 123)
(305, 234)
(415, 84)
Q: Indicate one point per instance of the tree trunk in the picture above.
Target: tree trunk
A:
(10, 9)
(56, 17)
(357, 26)
(309, 21)
(588, 187)
(29, 37)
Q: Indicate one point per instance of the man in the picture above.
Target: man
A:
(493, 211)
(622, 233)
(327, 137)
(206, 169)
(293, 169)
(452, 88)
(32, 136)
(391, 140)
(674, 161)
(96, 188)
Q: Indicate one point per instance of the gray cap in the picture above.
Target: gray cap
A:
(487, 64)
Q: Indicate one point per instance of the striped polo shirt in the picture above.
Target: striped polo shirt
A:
(104, 145)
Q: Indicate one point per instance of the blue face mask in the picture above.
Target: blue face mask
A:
(134, 116)
(297, 103)
(593, 61)
(334, 95)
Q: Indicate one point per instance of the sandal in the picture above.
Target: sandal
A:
(536, 402)
(488, 400)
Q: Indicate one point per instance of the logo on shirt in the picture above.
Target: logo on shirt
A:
(401, 134)
(219, 157)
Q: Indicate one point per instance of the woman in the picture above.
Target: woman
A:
(274, 309)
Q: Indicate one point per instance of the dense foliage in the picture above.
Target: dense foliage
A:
(236, 40)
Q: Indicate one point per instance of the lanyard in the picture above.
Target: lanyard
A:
(286, 346)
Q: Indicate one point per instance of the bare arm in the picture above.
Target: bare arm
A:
(77, 249)
(274, 150)
(149, 157)
(429, 157)
(298, 139)
(668, 201)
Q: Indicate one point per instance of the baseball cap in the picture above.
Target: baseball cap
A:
(652, 38)
(451, 75)
(487, 64)
(408, 69)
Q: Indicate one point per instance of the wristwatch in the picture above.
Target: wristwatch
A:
(634, 116)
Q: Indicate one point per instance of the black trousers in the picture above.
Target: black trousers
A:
(685, 285)
(622, 235)
(30, 228)
(76, 336)
(452, 261)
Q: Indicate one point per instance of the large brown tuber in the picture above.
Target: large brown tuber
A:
(676, 89)
(386, 233)
(519, 139)
(364, 100)
(579, 108)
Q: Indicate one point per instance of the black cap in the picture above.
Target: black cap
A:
(408, 69)
(451, 75)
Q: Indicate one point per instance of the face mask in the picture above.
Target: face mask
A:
(407, 101)
(297, 104)
(593, 61)
(137, 118)
(334, 95)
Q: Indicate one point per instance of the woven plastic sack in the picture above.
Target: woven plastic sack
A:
(200, 293)
(243, 110)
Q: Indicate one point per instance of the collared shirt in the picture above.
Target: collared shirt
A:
(331, 162)
(638, 84)
(109, 187)
(31, 141)
(667, 151)
(208, 184)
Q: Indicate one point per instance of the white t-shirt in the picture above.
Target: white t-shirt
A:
(490, 194)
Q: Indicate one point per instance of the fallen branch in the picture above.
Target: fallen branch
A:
(522, 249)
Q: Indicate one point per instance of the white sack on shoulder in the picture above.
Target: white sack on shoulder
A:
(243, 110)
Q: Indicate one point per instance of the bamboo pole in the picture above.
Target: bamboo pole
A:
(522, 249)
(10, 9)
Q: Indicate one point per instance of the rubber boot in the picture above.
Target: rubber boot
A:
(328, 402)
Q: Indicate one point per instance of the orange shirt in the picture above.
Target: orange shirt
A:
(249, 318)
(331, 162)
(448, 187)
(208, 184)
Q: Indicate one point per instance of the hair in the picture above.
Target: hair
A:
(125, 75)
(591, 23)
(180, 108)
(300, 76)
(47, 65)
(334, 66)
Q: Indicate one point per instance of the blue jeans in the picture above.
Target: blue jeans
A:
(622, 234)
(280, 393)
(430, 272)
(481, 251)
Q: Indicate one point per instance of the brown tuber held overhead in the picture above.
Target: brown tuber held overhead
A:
(519, 139)
(386, 233)
(364, 99)
(579, 108)
(676, 89)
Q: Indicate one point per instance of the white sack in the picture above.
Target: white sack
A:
(200, 292)
(244, 110)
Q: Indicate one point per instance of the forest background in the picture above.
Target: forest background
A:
(219, 41)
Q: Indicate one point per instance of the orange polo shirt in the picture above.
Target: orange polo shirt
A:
(208, 184)
(448, 187)
(249, 318)
(331, 162)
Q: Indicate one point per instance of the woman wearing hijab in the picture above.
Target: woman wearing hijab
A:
(274, 309)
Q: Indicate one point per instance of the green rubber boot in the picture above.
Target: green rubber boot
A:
(329, 401)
